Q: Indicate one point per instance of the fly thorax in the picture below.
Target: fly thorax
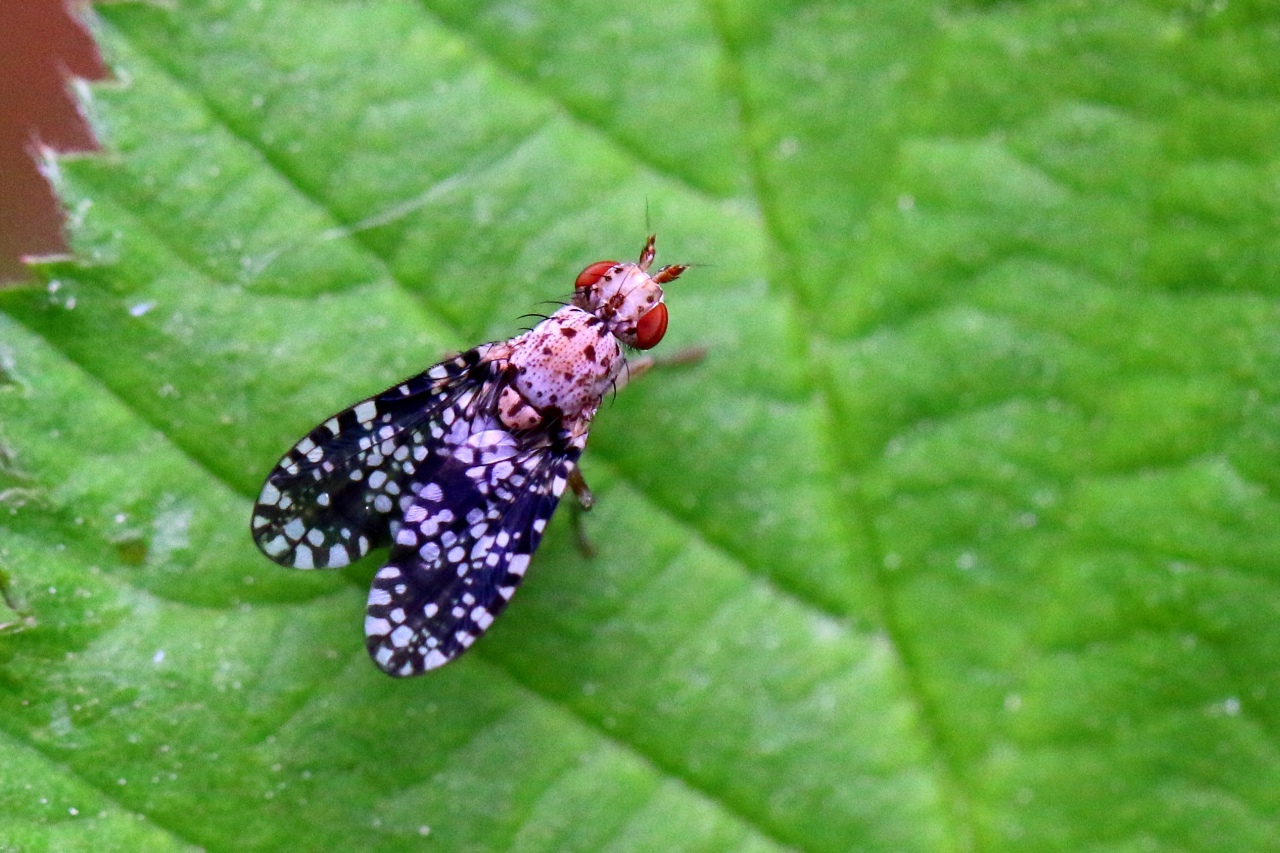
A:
(566, 363)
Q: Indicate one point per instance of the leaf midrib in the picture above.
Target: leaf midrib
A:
(957, 808)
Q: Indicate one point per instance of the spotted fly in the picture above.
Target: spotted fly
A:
(459, 468)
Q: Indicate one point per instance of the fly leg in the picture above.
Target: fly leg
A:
(637, 367)
(585, 501)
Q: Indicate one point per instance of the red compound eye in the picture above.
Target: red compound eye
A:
(593, 273)
(652, 327)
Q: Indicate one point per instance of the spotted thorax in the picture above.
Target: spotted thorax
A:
(459, 468)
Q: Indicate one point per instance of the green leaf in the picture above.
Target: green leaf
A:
(965, 536)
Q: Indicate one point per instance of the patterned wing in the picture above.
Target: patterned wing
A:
(340, 490)
(463, 549)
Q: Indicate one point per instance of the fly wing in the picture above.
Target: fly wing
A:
(339, 492)
(462, 549)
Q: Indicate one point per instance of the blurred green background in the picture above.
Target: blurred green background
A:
(964, 537)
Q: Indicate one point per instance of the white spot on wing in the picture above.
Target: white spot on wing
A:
(275, 547)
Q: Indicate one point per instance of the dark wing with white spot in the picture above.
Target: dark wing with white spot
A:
(336, 493)
(462, 550)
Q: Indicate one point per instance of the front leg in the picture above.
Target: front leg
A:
(639, 366)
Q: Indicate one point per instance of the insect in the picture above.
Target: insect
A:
(459, 468)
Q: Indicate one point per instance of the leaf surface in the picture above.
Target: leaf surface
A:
(963, 537)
